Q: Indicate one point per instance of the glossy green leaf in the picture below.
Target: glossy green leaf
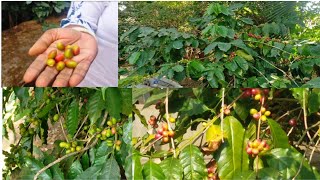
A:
(157, 94)
(95, 106)
(279, 137)
(127, 129)
(31, 167)
(241, 110)
(242, 63)
(222, 31)
(246, 20)
(152, 171)
(313, 103)
(178, 68)
(192, 162)
(249, 175)
(23, 95)
(233, 157)
(268, 173)
(193, 107)
(195, 69)
(38, 93)
(75, 170)
(172, 168)
(232, 66)
(288, 162)
(91, 173)
(138, 92)
(134, 57)
(110, 170)
(102, 153)
(177, 44)
(136, 167)
(210, 47)
(56, 172)
(85, 161)
(313, 83)
(46, 109)
(126, 99)
(224, 46)
(250, 132)
(72, 120)
(113, 102)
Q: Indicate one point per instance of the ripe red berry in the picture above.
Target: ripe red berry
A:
(256, 116)
(75, 50)
(153, 118)
(255, 91)
(59, 57)
(160, 131)
(158, 136)
(293, 122)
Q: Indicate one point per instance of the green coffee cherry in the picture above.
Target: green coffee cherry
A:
(56, 117)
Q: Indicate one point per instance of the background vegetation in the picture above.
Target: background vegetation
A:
(14, 13)
(220, 43)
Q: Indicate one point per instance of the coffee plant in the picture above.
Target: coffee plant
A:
(67, 133)
(248, 133)
(227, 49)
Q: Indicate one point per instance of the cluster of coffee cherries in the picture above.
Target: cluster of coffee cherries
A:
(262, 114)
(165, 133)
(29, 127)
(160, 106)
(71, 146)
(254, 36)
(257, 93)
(63, 59)
(11, 158)
(153, 121)
(256, 147)
(225, 110)
(108, 132)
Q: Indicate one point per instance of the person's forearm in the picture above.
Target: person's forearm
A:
(84, 14)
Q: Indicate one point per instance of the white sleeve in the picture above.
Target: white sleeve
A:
(85, 14)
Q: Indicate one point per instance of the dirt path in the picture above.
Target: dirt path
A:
(15, 46)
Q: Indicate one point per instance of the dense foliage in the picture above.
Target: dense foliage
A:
(94, 126)
(17, 12)
(225, 133)
(226, 47)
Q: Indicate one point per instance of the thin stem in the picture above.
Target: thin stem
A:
(64, 157)
(259, 121)
(222, 113)
(61, 125)
(151, 144)
(290, 131)
(204, 129)
(305, 112)
(287, 113)
(313, 149)
(85, 120)
(305, 132)
(167, 117)
(261, 74)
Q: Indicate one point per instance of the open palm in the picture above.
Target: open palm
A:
(44, 75)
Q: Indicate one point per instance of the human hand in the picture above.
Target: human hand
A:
(44, 75)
